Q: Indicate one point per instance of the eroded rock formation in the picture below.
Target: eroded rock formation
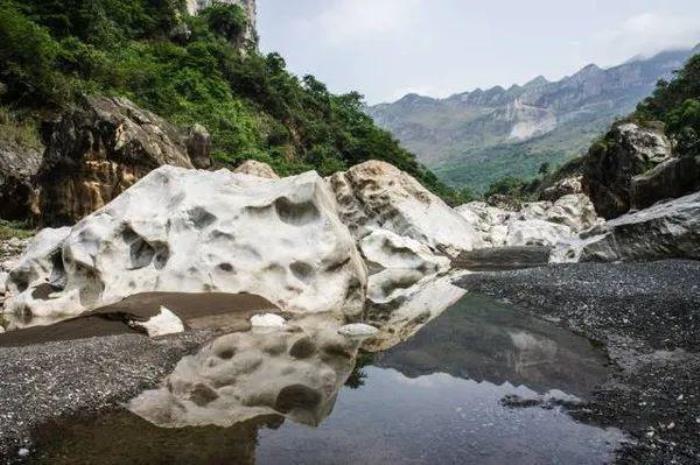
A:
(376, 194)
(192, 231)
(667, 230)
(628, 150)
(534, 224)
(99, 150)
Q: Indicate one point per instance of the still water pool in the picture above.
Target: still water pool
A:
(435, 399)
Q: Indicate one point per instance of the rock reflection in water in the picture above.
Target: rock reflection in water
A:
(433, 399)
(295, 371)
(483, 340)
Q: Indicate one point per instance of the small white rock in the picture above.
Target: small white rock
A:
(23, 452)
(267, 320)
(358, 331)
(166, 322)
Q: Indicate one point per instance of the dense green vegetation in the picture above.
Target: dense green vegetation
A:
(10, 229)
(189, 69)
(677, 104)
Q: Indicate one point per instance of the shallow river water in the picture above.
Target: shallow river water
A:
(435, 399)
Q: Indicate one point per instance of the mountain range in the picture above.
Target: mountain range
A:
(475, 138)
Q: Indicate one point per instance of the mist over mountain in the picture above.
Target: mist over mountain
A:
(474, 138)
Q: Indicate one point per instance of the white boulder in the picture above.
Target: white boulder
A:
(376, 194)
(535, 233)
(192, 231)
(267, 320)
(575, 211)
(163, 324)
(358, 331)
(256, 168)
(535, 224)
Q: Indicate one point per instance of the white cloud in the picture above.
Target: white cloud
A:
(649, 33)
(347, 21)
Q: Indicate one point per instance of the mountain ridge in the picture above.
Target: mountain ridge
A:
(474, 138)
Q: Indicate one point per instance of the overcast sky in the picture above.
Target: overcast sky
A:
(387, 48)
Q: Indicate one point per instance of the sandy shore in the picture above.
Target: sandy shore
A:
(647, 315)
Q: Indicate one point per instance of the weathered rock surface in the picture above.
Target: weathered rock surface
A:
(543, 224)
(96, 152)
(293, 371)
(666, 230)
(628, 150)
(376, 194)
(199, 146)
(192, 231)
(256, 168)
(384, 250)
(566, 186)
(17, 167)
(503, 258)
(673, 178)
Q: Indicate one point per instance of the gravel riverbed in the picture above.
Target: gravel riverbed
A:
(46, 381)
(647, 315)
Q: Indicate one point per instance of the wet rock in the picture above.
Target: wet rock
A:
(185, 230)
(628, 150)
(96, 152)
(376, 194)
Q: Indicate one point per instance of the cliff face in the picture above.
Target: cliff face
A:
(249, 6)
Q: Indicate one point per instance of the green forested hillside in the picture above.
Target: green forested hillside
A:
(187, 70)
(677, 104)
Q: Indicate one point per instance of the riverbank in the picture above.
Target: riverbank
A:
(647, 315)
(88, 376)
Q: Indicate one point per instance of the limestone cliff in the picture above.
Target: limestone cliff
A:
(98, 150)
(249, 6)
